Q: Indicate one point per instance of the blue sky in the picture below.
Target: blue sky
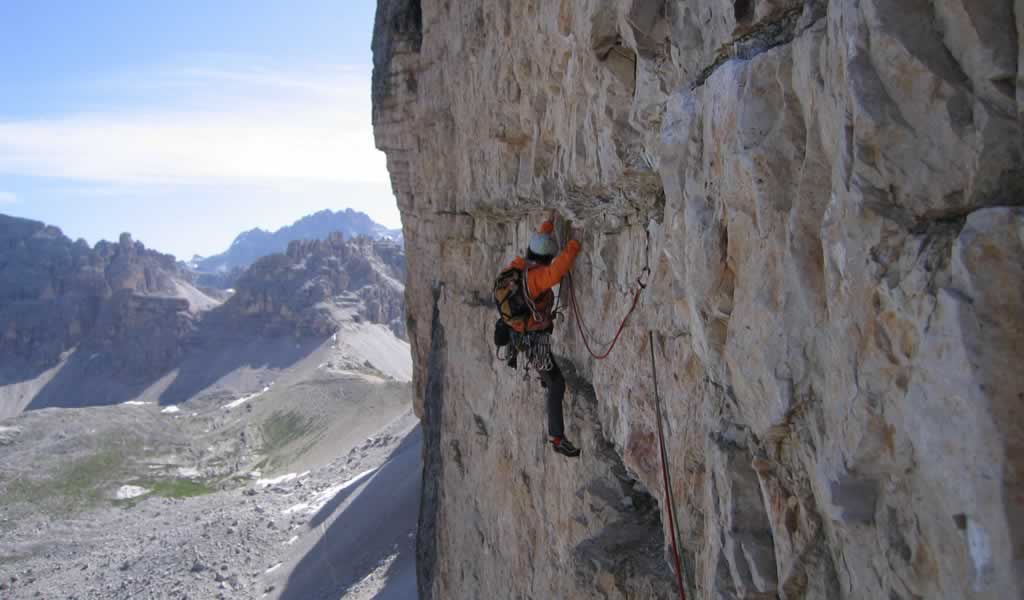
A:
(187, 122)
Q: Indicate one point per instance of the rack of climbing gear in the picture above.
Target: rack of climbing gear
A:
(538, 351)
(537, 348)
(641, 285)
(665, 473)
(534, 345)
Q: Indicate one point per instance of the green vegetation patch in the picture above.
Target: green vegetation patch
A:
(281, 430)
(180, 488)
(75, 486)
(168, 488)
(82, 483)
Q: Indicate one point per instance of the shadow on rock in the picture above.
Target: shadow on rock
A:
(206, 366)
(91, 378)
(363, 526)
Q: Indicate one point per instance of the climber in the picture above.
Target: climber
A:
(528, 317)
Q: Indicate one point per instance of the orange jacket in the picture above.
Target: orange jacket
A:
(541, 278)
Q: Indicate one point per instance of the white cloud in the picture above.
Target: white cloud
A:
(199, 125)
(7, 198)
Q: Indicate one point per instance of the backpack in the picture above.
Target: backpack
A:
(510, 299)
(513, 307)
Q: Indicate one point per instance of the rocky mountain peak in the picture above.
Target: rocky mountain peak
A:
(55, 293)
(316, 284)
(256, 243)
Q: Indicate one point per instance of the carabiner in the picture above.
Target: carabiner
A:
(641, 280)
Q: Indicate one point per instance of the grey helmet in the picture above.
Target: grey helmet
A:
(542, 245)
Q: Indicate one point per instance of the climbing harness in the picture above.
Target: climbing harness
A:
(666, 478)
(641, 285)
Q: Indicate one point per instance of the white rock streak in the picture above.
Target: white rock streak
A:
(244, 399)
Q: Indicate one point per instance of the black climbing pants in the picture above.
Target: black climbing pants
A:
(555, 383)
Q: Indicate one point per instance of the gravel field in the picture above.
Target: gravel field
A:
(345, 530)
(296, 481)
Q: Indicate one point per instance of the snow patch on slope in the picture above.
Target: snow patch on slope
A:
(282, 479)
(244, 399)
(127, 492)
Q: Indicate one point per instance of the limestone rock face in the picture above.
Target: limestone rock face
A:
(828, 194)
(55, 294)
(317, 284)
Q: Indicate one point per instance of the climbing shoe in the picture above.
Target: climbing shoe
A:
(564, 446)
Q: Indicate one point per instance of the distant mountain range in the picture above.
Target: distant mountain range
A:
(83, 325)
(257, 243)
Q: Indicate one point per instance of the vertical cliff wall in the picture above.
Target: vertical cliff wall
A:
(828, 193)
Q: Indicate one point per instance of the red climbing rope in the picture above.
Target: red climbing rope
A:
(641, 285)
(669, 500)
(666, 477)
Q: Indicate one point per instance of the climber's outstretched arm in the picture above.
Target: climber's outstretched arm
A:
(542, 279)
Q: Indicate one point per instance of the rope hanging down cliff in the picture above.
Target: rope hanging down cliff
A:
(641, 286)
(665, 476)
(665, 470)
